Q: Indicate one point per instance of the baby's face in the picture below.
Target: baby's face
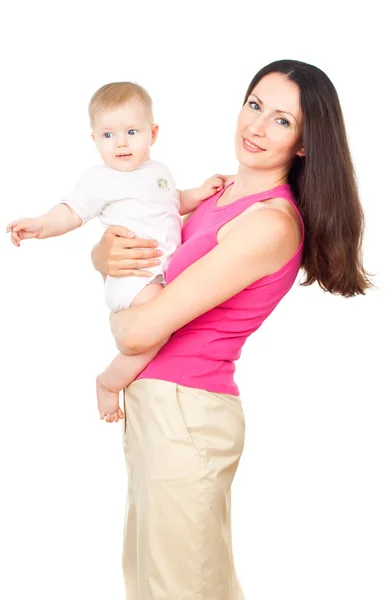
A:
(124, 135)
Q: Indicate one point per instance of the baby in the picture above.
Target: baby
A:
(129, 189)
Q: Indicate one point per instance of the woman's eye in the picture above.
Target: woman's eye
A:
(132, 131)
(107, 135)
(253, 105)
(285, 123)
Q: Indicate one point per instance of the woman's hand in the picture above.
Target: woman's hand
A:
(120, 253)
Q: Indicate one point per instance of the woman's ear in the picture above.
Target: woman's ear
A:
(154, 135)
(301, 152)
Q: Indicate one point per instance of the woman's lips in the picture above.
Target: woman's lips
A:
(251, 147)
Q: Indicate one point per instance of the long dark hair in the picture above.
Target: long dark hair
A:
(324, 184)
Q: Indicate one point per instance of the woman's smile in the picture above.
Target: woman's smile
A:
(251, 147)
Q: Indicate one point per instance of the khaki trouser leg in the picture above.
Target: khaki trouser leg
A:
(182, 448)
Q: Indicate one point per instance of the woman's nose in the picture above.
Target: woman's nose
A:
(258, 125)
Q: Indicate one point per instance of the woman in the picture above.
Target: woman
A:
(293, 203)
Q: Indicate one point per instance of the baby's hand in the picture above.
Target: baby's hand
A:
(211, 186)
(24, 229)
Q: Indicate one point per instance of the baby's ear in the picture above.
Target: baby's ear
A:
(155, 131)
(93, 136)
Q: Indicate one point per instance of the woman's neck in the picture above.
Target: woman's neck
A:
(250, 181)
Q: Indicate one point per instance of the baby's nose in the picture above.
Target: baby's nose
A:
(122, 141)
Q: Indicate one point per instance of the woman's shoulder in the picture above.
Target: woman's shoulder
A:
(271, 216)
(280, 211)
(284, 205)
(270, 235)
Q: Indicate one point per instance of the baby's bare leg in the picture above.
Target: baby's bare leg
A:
(124, 369)
(120, 373)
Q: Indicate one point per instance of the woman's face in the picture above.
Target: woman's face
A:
(270, 125)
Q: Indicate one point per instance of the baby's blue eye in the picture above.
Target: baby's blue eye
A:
(132, 131)
(107, 135)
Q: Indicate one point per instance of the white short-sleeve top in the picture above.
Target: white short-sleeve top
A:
(144, 200)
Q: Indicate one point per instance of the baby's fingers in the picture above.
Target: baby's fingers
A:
(120, 413)
(219, 182)
(22, 225)
(220, 177)
(12, 225)
(15, 239)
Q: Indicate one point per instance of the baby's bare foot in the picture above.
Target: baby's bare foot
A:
(108, 403)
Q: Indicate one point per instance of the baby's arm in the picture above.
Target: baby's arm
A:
(57, 221)
(189, 199)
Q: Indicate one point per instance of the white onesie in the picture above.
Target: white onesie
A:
(144, 200)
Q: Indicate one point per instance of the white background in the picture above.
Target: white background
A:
(310, 495)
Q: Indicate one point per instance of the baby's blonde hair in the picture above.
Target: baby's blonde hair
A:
(113, 95)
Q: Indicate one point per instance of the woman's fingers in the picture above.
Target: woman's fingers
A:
(125, 262)
(119, 230)
(123, 271)
(120, 256)
(125, 242)
(129, 273)
(134, 253)
(120, 263)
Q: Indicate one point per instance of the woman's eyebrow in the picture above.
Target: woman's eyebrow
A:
(277, 110)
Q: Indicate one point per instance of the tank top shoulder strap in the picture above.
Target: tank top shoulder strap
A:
(222, 214)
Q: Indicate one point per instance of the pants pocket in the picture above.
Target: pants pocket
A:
(240, 407)
(187, 407)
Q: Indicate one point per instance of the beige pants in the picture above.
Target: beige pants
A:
(182, 448)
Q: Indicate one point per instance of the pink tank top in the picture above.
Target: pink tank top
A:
(202, 353)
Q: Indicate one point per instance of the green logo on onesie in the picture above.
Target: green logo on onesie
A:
(162, 183)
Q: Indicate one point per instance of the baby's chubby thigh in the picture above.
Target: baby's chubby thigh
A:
(147, 293)
(123, 292)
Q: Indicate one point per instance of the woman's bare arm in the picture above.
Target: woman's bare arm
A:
(257, 245)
